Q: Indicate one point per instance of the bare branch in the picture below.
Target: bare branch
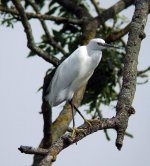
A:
(41, 16)
(136, 35)
(106, 134)
(67, 140)
(48, 35)
(140, 73)
(113, 10)
(30, 39)
(116, 35)
(128, 135)
(31, 150)
(47, 118)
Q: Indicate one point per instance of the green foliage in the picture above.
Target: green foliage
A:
(67, 35)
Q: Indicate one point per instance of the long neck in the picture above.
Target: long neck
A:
(92, 51)
(95, 56)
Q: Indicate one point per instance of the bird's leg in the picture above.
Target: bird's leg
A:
(72, 108)
(87, 121)
(75, 130)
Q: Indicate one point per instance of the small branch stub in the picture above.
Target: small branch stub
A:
(31, 150)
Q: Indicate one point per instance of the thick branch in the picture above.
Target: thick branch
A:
(136, 35)
(113, 10)
(47, 118)
(41, 16)
(67, 140)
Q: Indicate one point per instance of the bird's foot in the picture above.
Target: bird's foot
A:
(76, 130)
(90, 121)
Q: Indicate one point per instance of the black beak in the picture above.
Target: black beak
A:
(108, 45)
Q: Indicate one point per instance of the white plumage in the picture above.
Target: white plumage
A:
(75, 71)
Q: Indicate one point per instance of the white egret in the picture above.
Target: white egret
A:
(74, 72)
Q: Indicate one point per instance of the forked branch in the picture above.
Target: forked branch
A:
(67, 140)
(113, 10)
(30, 39)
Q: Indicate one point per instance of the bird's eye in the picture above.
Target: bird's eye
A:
(98, 44)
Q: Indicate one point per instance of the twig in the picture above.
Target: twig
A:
(48, 35)
(105, 130)
(141, 83)
(139, 73)
(30, 39)
(128, 134)
(41, 16)
(96, 6)
(106, 134)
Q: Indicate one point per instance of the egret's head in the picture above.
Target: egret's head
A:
(99, 44)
